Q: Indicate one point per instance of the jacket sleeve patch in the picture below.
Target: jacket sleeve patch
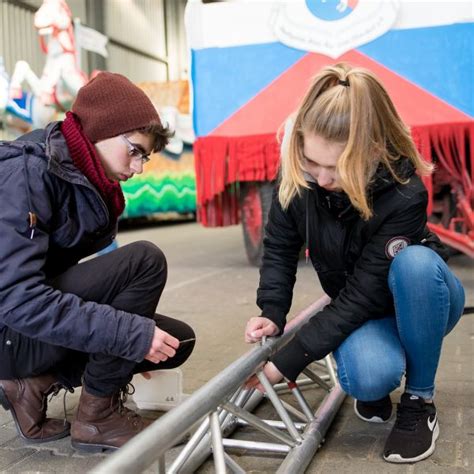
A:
(396, 245)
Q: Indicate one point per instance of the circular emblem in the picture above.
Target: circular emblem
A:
(395, 245)
(331, 10)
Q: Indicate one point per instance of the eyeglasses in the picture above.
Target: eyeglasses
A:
(135, 152)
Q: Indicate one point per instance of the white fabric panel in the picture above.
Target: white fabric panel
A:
(242, 22)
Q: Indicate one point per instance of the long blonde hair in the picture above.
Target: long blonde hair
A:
(348, 105)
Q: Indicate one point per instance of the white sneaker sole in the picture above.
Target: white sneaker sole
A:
(374, 419)
(396, 458)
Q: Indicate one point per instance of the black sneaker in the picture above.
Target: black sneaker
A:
(378, 411)
(415, 432)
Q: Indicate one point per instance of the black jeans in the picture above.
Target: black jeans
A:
(130, 278)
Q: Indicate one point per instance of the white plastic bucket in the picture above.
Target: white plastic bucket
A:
(162, 392)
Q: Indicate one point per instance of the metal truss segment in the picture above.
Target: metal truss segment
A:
(222, 404)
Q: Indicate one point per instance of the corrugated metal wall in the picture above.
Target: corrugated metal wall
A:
(139, 24)
(177, 44)
(18, 39)
(141, 43)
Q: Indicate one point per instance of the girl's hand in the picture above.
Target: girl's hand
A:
(272, 373)
(258, 327)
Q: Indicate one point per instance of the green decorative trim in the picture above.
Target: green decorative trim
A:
(151, 194)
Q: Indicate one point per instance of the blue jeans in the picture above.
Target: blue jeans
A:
(429, 301)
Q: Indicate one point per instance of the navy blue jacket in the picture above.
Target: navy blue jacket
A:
(37, 176)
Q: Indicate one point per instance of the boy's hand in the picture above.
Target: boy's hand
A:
(163, 347)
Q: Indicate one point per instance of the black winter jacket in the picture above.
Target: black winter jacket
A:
(37, 176)
(351, 256)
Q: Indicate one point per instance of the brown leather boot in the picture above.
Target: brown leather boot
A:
(104, 423)
(27, 399)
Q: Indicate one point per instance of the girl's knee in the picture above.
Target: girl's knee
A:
(414, 263)
(372, 384)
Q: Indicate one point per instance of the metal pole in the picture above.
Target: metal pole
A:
(294, 411)
(330, 367)
(256, 446)
(277, 404)
(274, 423)
(317, 379)
(161, 465)
(301, 400)
(233, 465)
(299, 457)
(217, 448)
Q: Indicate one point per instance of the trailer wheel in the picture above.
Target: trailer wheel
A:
(255, 200)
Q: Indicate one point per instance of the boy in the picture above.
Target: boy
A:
(62, 323)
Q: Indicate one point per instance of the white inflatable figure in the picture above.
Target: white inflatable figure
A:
(184, 128)
(61, 77)
(169, 116)
(181, 125)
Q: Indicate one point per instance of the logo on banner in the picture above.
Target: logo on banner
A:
(331, 10)
(332, 27)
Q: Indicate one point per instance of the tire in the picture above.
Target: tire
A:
(255, 201)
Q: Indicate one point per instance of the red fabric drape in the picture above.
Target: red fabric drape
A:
(452, 146)
(222, 162)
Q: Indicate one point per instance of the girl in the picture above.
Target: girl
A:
(349, 191)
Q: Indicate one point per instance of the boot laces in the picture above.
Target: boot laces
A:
(408, 417)
(55, 389)
(129, 389)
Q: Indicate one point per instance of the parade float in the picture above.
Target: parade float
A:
(166, 189)
(252, 61)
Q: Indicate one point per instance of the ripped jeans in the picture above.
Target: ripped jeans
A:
(429, 301)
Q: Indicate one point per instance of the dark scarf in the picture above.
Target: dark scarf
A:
(86, 159)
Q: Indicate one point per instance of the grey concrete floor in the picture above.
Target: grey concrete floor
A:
(212, 287)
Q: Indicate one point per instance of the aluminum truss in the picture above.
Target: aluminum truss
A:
(223, 404)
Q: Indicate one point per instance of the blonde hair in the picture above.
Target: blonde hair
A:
(348, 105)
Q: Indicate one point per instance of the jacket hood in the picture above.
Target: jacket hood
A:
(53, 144)
(60, 161)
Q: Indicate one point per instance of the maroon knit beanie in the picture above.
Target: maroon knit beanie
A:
(110, 105)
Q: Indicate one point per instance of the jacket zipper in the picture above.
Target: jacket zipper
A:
(328, 199)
